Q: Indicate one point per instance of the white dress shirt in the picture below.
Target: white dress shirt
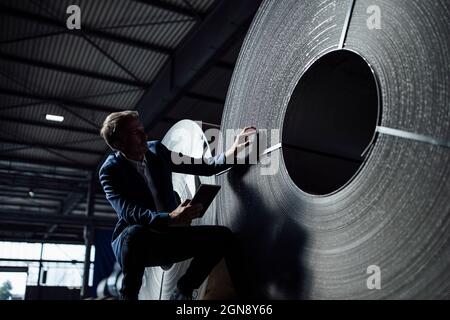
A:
(142, 169)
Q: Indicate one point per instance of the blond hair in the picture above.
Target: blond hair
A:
(111, 127)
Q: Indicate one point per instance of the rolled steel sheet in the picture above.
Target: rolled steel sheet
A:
(383, 232)
(187, 137)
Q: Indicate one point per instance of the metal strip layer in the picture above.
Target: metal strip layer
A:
(393, 216)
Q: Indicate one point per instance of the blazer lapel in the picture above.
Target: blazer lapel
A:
(152, 169)
(155, 170)
(132, 171)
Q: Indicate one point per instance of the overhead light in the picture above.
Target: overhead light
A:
(52, 117)
(31, 193)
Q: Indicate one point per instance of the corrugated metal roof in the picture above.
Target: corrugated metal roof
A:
(117, 99)
(64, 49)
(52, 156)
(86, 71)
(12, 102)
(36, 113)
(200, 5)
(168, 29)
(64, 142)
(47, 69)
(143, 64)
(10, 29)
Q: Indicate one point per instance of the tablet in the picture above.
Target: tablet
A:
(205, 195)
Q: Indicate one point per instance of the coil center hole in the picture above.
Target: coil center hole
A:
(330, 120)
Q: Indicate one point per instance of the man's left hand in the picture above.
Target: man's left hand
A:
(241, 141)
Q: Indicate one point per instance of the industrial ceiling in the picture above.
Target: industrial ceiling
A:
(170, 60)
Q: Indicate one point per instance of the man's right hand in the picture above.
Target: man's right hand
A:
(184, 213)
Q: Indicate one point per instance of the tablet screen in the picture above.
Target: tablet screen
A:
(205, 195)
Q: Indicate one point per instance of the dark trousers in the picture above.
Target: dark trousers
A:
(145, 247)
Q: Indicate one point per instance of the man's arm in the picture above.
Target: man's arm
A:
(125, 208)
(202, 167)
(206, 166)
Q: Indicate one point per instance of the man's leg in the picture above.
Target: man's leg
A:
(144, 246)
(132, 261)
(207, 245)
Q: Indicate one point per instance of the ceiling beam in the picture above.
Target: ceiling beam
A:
(49, 124)
(16, 174)
(45, 187)
(50, 230)
(28, 206)
(44, 145)
(172, 7)
(15, 181)
(100, 206)
(48, 178)
(68, 164)
(47, 171)
(85, 30)
(58, 100)
(22, 216)
(63, 237)
(227, 21)
(30, 237)
(71, 202)
(71, 70)
(24, 195)
(37, 189)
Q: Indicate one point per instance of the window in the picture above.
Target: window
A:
(51, 264)
(13, 282)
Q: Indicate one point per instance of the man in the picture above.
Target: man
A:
(152, 229)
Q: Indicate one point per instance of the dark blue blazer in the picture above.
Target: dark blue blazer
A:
(130, 196)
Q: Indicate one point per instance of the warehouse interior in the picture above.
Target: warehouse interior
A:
(125, 50)
(351, 201)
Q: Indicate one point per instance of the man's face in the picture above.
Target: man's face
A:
(133, 140)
